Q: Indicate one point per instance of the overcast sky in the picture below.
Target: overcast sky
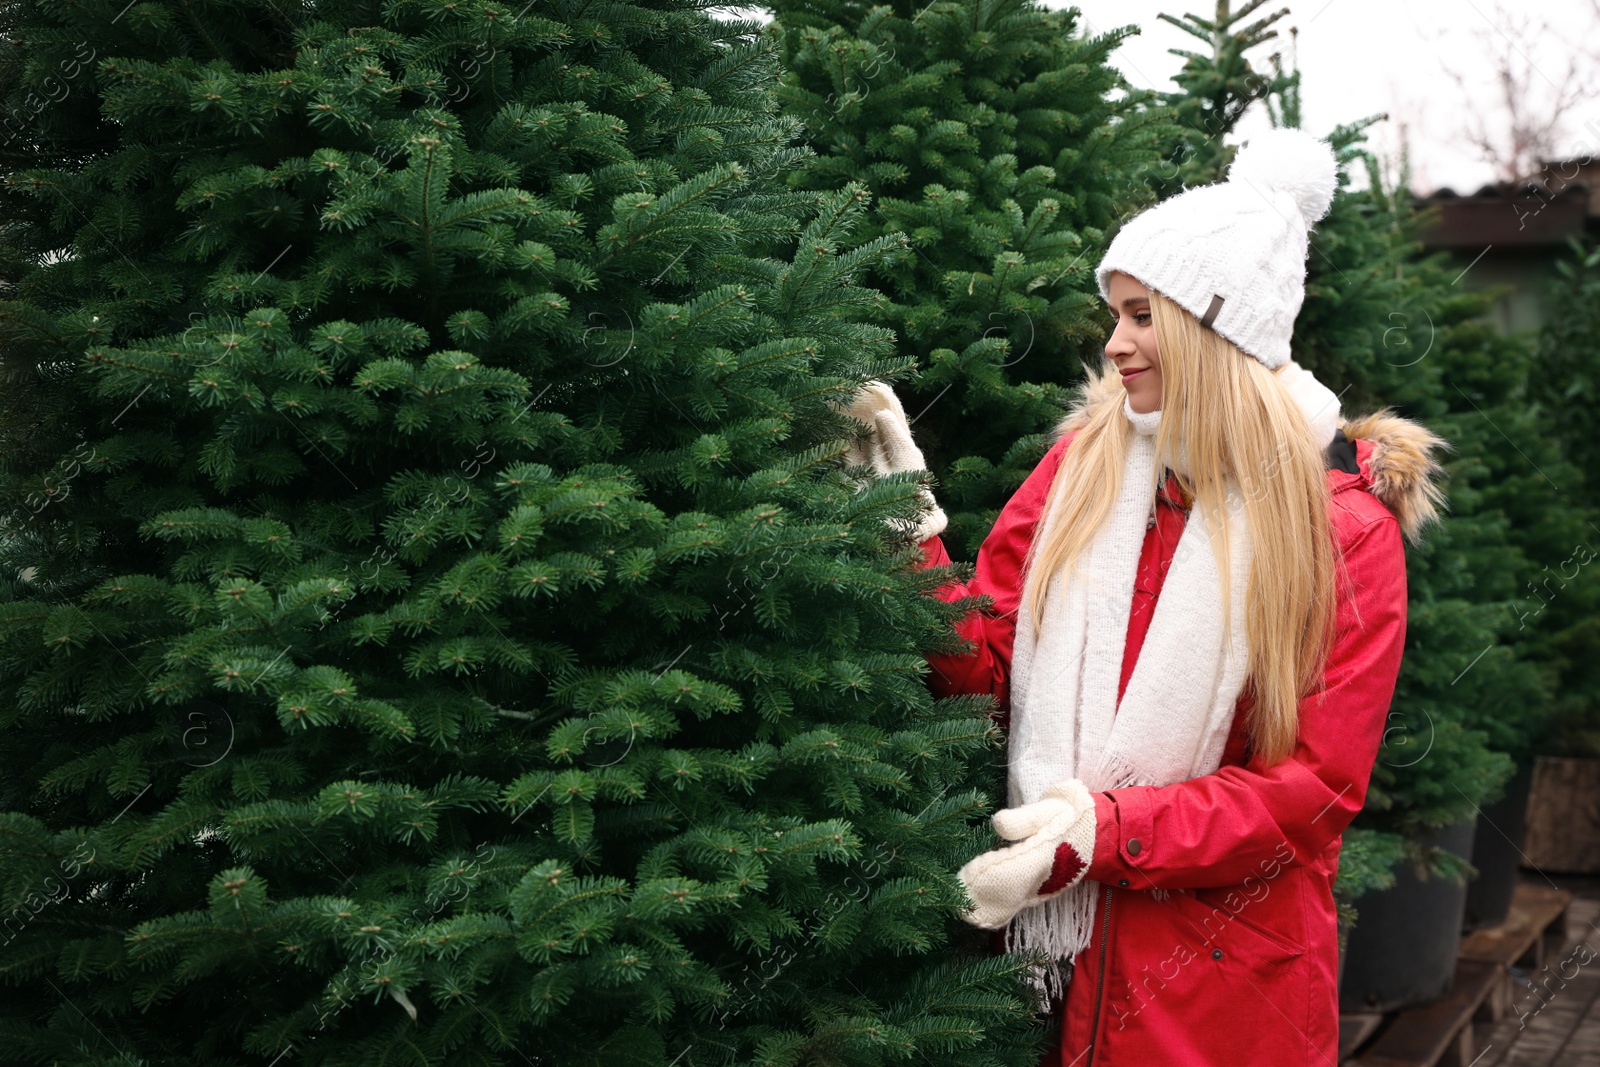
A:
(1361, 57)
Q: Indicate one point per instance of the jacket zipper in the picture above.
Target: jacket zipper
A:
(1100, 979)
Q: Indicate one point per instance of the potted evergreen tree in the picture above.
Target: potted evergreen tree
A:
(1562, 600)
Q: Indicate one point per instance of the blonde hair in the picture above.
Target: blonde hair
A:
(1232, 420)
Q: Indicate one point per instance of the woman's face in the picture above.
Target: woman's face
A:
(1132, 345)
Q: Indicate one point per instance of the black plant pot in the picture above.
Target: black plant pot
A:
(1497, 853)
(1403, 948)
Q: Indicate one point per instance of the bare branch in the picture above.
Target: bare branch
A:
(1535, 77)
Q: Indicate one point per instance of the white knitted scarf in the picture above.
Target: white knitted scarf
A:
(1174, 717)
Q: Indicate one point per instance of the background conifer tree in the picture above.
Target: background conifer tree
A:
(1385, 325)
(993, 137)
(1564, 389)
(437, 627)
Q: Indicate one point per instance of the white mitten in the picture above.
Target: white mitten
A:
(888, 448)
(1004, 881)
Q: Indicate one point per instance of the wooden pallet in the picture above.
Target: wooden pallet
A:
(1355, 1027)
(1520, 940)
(1439, 1033)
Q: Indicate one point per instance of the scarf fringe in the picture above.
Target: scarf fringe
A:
(1055, 931)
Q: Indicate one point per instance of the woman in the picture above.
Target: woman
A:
(1184, 751)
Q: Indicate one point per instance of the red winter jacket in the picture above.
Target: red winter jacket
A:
(1237, 966)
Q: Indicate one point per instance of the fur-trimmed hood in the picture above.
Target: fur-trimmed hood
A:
(1396, 456)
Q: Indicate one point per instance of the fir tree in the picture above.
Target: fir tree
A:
(1385, 325)
(1478, 690)
(437, 625)
(991, 136)
(1217, 88)
(1565, 389)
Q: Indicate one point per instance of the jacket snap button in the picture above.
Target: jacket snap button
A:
(1123, 883)
(1216, 953)
(1134, 846)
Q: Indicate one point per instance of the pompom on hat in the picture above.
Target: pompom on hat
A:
(1233, 253)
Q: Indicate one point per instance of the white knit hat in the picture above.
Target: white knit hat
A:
(1233, 253)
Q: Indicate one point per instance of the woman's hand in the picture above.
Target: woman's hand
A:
(1055, 842)
(887, 448)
